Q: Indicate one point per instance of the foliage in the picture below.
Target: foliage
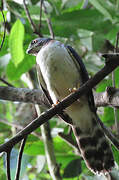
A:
(83, 24)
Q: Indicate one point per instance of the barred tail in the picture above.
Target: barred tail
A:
(95, 149)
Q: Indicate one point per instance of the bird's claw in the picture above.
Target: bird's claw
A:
(57, 102)
(72, 90)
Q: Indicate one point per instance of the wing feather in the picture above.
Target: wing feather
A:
(84, 75)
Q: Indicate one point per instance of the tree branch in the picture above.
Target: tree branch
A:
(5, 82)
(111, 63)
(49, 151)
(108, 98)
(36, 96)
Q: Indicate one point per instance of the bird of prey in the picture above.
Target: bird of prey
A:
(61, 69)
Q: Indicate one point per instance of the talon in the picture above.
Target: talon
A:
(57, 102)
(73, 89)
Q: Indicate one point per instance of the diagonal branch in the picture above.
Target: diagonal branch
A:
(111, 63)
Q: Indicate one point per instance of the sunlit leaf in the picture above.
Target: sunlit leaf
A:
(14, 72)
(16, 42)
(108, 116)
(1, 16)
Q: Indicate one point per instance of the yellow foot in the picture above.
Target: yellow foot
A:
(53, 105)
(73, 89)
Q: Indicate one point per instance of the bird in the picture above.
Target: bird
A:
(60, 72)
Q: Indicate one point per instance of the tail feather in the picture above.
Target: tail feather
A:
(95, 149)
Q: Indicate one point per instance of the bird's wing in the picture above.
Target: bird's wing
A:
(43, 86)
(95, 142)
(83, 73)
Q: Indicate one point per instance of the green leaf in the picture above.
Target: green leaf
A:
(116, 154)
(65, 159)
(14, 72)
(16, 42)
(111, 35)
(60, 146)
(98, 40)
(73, 169)
(34, 146)
(72, 5)
(102, 86)
(116, 72)
(108, 116)
(83, 19)
(99, 6)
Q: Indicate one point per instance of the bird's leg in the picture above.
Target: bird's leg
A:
(72, 90)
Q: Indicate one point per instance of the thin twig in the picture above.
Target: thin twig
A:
(41, 5)
(19, 127)
(111, 64)
(30, 20)
(108, 133)
(8, 164)
(49, 22)
(50, 28)
(20, 158)
(5, 82)
(4, 30)
(29, 17)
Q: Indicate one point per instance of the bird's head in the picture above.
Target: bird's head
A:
(36, 44)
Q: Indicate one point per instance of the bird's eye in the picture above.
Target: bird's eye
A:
(34, 41)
